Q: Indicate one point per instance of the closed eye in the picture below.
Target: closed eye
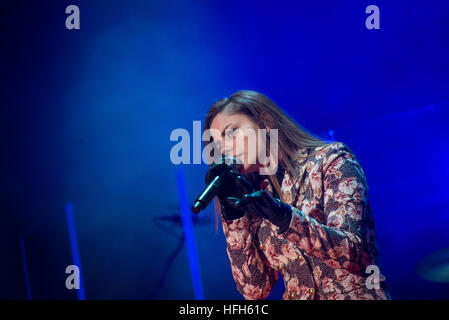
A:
(230, 132)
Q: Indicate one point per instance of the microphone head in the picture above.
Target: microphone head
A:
(235, 163)
(223, 163)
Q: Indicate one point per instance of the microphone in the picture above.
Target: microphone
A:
(216, 177)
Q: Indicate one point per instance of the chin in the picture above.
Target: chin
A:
(248, 168)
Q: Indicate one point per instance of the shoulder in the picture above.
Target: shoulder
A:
(340, 164)
(330, 158)
(333, 153)
(325, 154)
(332, 149)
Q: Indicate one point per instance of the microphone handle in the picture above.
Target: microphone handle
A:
(208, 194)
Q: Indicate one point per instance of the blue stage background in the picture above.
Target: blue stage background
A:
(87, 114)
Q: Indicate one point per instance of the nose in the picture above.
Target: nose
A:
(226, 151)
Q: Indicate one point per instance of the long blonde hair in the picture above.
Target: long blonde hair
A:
(264, 112)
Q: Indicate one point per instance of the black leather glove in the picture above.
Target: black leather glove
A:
(234, 187)
(272, 209)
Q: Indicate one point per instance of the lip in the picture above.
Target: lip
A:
(237, 158)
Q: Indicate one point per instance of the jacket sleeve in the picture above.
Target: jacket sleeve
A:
(339, 240)
(254, 279)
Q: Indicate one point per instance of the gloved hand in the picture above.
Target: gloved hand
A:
(272, 209)
(235, 186)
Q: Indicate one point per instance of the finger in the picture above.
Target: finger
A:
(245, 184)
(248, 198)
(231, 201)
(265, 197)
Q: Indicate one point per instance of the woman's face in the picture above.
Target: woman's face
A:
(237, 135)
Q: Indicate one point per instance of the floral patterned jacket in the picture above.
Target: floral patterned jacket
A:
(329, 250)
